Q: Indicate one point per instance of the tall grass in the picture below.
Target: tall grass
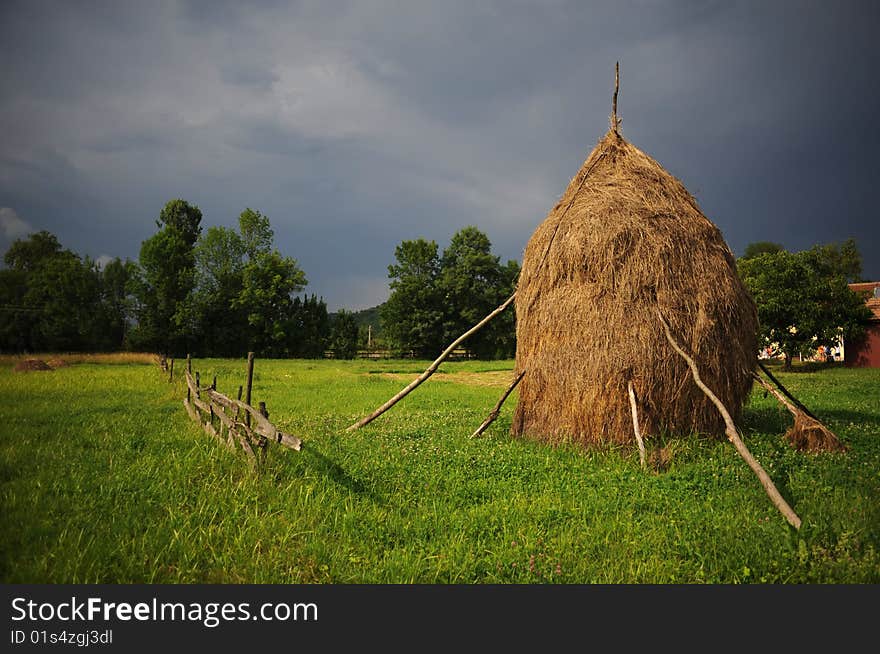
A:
(104, 478)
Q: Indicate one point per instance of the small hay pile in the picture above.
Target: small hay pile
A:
(57, 363)
(627, 240)
(809, 435)
(26, 365)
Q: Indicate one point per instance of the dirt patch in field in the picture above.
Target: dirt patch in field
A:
(26, 365)
(494, 378)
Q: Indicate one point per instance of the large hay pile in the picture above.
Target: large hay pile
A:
(625, 241)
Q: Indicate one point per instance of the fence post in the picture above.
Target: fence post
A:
(264, 442)
(250, 382)
(171, 372)
(189, 369)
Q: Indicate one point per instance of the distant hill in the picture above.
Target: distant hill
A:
(369, 317)
(366, 317)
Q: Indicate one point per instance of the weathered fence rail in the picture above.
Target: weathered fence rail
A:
(233, 422)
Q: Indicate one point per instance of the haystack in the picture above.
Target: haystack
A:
(627, 240)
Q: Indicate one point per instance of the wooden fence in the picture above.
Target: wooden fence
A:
(232, 421)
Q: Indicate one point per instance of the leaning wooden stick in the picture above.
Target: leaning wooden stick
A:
(732, 435)
(635, 416)
(494, 413)
(431, 369)
(784, 390)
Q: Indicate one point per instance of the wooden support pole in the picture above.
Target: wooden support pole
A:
(263, 442)
(189, 369)
(635, 416)
(496, 411)
(171, 372)
(250, 383)
(615, 121)
(732, 435)
(432, 368)
(784, 390)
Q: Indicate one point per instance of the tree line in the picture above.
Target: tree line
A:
(218, 292)
(223, 292)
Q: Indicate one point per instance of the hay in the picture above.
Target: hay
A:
(625, 241)
(57, 363)
(810, 435)
(26, 365)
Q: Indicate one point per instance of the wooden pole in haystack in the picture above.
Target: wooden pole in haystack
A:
(432, 368)
(732, 435)
(615, 121)
(636, 430)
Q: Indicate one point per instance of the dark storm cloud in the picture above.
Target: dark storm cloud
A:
(355, 125)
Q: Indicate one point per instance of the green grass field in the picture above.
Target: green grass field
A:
(105, 479)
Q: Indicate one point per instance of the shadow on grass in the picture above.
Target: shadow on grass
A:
(335, 472)
(848, 416)
(765, 420)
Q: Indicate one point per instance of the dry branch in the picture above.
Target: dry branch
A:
(732, 435)
(635, 416)
(494, 413)
(784, 390)
(432, 368)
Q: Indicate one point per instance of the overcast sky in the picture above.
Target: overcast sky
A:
(356, 125)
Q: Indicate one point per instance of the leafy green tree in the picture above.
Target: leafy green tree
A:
(310, 330)
(256, 233)
(16, 319)
(839, 259)
(51, 299)
(473, 282)
(269, 282)
(222, 325)
(167, 263)
(802, 301)
(758, 248)
(344, 335)
(28, 254)
(413, 315)
(116, 279)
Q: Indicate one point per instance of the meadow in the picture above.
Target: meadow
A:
(105, 479)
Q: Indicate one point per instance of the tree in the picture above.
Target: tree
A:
(758, 248)
(167, 263)
(803, 300)
(310, 330)
(256, 233)
(413, 315)
(839, 259)
(473, 282)
(26, 255)
(222, 326)
(344, 335)
(50, 298)
(116, 280)
(268, 284)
